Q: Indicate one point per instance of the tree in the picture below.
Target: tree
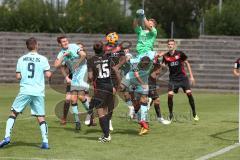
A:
(95, 16)
(226, 22)
(28, 16)
(186, 14)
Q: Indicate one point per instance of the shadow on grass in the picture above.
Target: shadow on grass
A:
(230, 121)
(219, 134)
(92, 138)
(21, 143)
(126, 131)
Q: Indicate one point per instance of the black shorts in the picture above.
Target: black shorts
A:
(103, 97)
(174, 85)
(68, 88)
(153, 92)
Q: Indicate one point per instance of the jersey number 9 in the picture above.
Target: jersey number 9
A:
(31, 68)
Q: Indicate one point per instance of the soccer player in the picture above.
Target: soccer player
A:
(236, 71)
(99, 72)
(175, 60)
(138, 77)
(153, 95)
(145, 38)
(75, 59)
(30, 70)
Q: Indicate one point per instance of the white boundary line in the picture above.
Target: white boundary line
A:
(217, 153)
(226, 149)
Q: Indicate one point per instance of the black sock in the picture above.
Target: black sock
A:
(157, 110)
(110, 115)
(192, 104)
(66, 108)
(104, 123)
(170, 105)
(91, 106)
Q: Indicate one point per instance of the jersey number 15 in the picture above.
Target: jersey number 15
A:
(103, 70)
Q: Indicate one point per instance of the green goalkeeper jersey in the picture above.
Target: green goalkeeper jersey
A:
(145, 39)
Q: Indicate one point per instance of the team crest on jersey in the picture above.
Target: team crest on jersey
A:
(177, 57)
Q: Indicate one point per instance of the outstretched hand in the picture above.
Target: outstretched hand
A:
(192, 81)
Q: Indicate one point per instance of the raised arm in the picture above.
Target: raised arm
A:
(147, 25)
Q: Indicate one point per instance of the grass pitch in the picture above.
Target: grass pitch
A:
(184, 139)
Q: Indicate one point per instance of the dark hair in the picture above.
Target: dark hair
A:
(31, 43)
(80, 43)
(154, 21)
(60, 38)
(98, 47)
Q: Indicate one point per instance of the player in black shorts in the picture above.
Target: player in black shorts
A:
(177, 77)
(99, 71)
(236, 68)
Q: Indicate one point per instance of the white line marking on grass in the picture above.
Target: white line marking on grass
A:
(27, 118)
(217, 153)
(23, 158)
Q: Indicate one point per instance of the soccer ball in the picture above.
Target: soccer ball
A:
(112, 37)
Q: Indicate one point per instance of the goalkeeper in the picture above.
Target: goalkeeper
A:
(145, 37)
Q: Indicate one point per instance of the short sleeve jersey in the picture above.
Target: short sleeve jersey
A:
(237, 64)
(143, 72)
(101, 66)
(175, 63)
(145, 39)
(72, 57)
(32, 67)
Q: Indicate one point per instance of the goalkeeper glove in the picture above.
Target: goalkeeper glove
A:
(140, 13)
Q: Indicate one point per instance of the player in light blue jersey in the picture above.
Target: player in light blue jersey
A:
(74, 58)
(31, 69)
(138, 77)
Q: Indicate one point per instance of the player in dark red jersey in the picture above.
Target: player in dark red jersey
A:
(99, 71)
(236, 68)
(177, 77)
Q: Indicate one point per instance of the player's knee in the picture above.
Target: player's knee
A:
(144, 99)
(12, 117)
(157, 101)
(81, 98)
(171, 93)
(41, 119)
(189, 92)
(68, 97)
(170, 96)
(74, 99)
(14, 114)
